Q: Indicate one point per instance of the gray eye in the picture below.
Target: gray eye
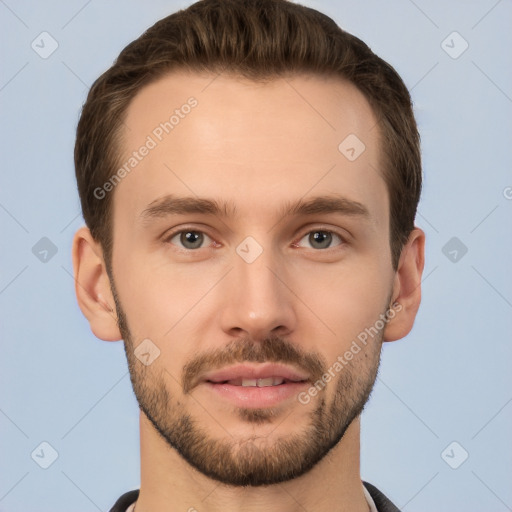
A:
(320, 239)
(189, 239)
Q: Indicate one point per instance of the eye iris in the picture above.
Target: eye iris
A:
(191, 239)
(321, 238)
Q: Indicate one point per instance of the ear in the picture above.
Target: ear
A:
(92, 286)
(406, 295)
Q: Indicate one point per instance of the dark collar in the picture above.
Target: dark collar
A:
(382, 503)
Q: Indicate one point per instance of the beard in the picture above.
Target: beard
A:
(253, 460)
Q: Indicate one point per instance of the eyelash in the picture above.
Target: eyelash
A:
(173, 234)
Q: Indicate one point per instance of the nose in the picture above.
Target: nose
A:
(258, 300)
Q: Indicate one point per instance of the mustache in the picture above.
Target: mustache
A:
(243, 350)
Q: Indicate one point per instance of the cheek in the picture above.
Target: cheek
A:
(348, 299)
(164, 306)
(155, 297)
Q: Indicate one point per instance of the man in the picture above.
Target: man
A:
(249, 175)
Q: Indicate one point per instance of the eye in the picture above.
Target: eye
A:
(189, 239)
(320, 239)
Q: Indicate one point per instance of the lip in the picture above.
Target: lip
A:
(252, 396)
(261, 371)
(255, 397)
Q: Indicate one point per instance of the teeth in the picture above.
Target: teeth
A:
(262, 383)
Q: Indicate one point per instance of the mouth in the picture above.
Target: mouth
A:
(260, 383)
(258, 386)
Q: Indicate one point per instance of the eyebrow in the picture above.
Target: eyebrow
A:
(177, 205)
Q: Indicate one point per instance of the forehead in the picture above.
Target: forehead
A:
(256, 145)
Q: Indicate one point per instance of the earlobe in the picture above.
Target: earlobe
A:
(92, 286)
(407, 287)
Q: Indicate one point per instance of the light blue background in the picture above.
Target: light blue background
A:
(450, 380)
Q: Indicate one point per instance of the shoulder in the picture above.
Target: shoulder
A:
(382, 503)
(125, 501)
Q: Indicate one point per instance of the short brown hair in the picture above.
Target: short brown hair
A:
(256, 39)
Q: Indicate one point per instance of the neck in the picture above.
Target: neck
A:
(169, 483)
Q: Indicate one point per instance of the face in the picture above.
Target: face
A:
(251, 254)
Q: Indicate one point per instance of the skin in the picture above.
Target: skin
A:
(258, 146)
